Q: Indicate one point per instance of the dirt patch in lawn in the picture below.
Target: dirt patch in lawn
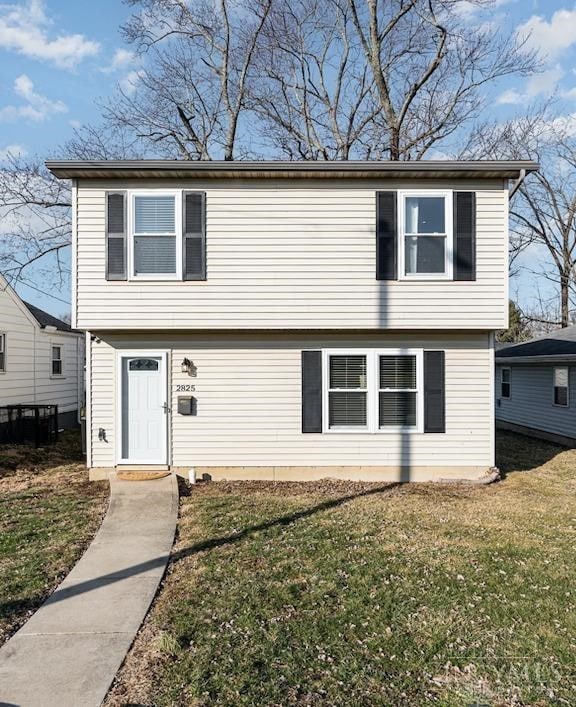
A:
(49, 512)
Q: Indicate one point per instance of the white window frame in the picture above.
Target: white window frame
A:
(448, 196)
(132, 194)
(509, 396)
(3, 338)
(554, 386)
(56, 345)
(373, 391)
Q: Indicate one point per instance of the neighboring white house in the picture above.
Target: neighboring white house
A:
(536, 387)
(41, 358)
(291, 320)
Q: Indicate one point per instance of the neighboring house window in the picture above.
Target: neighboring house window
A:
(2, 353)
(505, 382)
(56, 360)
(561, 396)
(426, 235)
(373, 391)
(156, 239)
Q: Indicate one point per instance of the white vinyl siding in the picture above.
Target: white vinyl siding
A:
(293, 254)
(249, 413)
(28, 379)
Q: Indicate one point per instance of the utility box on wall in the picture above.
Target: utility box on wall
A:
(187, 405)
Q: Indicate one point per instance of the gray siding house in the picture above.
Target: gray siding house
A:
(536, 387)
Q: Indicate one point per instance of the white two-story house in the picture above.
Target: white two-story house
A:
(273, 320)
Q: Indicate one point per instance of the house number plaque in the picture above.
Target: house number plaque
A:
(185, 388)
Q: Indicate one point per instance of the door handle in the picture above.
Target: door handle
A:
(165, 408)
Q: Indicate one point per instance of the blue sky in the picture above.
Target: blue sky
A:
(58, 57)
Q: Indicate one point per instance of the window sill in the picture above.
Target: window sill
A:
(381, 430)
(57, 375)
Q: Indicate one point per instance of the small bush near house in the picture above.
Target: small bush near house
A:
(357, 594)
(49, 512)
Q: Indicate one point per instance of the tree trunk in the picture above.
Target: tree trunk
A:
(564, 302)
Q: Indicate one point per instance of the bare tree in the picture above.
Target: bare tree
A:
(429, 67)
(543, 213)
(315, 95)
(191, 98)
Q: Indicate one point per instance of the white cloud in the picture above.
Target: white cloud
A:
(128, 84)
(12, 151)
(469, 10)
(122, 58)
(36, 108)
(24, 29)
(550, 37)
(543, 83)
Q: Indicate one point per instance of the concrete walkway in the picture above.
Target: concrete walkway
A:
(70, 650)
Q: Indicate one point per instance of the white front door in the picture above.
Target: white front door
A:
(144, 411)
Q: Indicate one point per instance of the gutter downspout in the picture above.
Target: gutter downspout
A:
(517, 184)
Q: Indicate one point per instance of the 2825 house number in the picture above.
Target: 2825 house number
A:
(185, 388)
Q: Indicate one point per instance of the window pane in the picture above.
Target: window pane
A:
(56, 367)
(2, 365)
(505, 375)
(347, 409)
(55, 352)
(347, 371)
(154, 214)
(398, 371)
(561, 377)
(1, 342)
(143, 364)
(397, 409)
(561, 396)
(505, 392)
(425, 254)
(425, 214)
(154, 254)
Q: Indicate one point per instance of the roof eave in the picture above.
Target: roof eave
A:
(548, 358)
(434, 169)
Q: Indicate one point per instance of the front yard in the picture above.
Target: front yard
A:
(49, 512)
(351, 594)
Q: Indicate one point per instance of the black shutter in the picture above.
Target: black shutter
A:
(464, 235)
(194, 235)
(311, 391)
(434, 392)
(116, 235)
(386, 236)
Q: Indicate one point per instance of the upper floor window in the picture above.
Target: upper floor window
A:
(155, 234)
(2, 353)
(56, 360)
(561, 387)
(425, 247)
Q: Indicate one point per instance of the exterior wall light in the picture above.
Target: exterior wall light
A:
(187, 366)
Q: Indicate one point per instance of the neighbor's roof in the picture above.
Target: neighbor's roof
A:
(45, 319)
(556, 346)
(501, 169)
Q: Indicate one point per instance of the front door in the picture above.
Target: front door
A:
(144, 411)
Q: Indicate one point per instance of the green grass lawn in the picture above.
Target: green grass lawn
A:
(350, 594)
(49, 512)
